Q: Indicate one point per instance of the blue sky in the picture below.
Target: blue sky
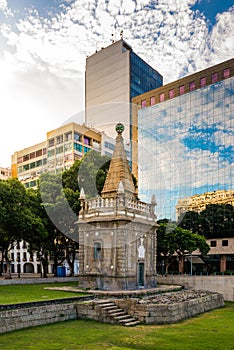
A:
(44, 44)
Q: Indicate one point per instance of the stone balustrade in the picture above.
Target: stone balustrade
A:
(114, 203)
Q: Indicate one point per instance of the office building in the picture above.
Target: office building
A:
(185, 137)
(114, 75)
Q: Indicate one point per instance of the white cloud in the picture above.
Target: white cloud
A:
(4, 8)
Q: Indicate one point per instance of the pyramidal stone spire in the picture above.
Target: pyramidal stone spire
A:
(119, 177)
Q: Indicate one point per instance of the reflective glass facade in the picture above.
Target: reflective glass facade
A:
(186, 146)
(143, 77)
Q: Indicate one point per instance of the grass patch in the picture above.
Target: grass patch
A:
(212, 330)
(23, 293)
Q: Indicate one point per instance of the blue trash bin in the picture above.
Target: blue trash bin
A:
(61, 271)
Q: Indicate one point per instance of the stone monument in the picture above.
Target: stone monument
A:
(117, 232)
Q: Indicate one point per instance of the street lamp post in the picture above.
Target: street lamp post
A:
(191, 264)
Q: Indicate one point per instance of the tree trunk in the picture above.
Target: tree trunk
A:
(8, 265)
(44, 262)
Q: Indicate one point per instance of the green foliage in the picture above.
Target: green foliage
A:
(216, 221)
(172, 240)
(17, 219)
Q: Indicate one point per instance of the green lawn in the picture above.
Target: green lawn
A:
(19, 293)
(209, 331)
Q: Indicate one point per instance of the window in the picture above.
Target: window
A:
(25, 167)
(225, 243)
(203, 82)
(19, 160)
(143, 103)
(24, 245)
(77, 147)
(86, 149)
(32, 165)
(50, 153)
(97, 250)
(32, 155)
(214, 78)
(86, 140)
(213, 243)
(68, 147)
(152, 100)
(172, 93)
(59, 139)
(68, 136)
(51, 142)
(12, 256)
(226, 73)
(59, 149)
(39, 153)
(161, 97)
(26, 157)
(77, 136)
(96, 145)
(192, 86)
(24, 256)
(182, 90)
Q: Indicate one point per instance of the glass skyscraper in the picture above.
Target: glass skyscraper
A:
(114, 75)
(186, 138)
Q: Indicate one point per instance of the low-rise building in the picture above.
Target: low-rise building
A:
(5, 173)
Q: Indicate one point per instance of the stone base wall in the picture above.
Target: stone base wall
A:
(169, 313)
(218, 284)
(11, 320)
(152, 313)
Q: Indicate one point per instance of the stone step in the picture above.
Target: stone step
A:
(121, 317)
(127, 319)
(101, 302)
(113, 307)
(106, 304)
(132, 324)
(117, 312)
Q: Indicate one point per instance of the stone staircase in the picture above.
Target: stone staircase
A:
(116, 314)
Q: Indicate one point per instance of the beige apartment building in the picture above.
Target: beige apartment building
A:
(58, 152)
(5, 173)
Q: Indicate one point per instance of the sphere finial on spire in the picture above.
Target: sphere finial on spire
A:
(119, 128)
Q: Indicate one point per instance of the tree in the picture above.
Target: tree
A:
(89, 173)
(17, 221)
(190, 221)
(174, 241)
(61, 219)
(217, 221)
(165, 246)
(39, 242)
